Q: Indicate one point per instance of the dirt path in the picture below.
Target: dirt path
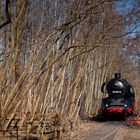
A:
(111, 130)
(106, 132)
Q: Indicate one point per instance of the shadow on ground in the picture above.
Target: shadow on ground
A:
(102, 118)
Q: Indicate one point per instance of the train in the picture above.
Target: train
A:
(120, 99)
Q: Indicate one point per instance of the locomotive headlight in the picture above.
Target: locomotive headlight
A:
(106, 105)
(125, 105)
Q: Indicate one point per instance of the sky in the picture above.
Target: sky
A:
(124, 7)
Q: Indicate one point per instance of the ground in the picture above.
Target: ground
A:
(92, 130)
(106, 130)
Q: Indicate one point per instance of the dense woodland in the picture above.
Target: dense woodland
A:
(56, 54)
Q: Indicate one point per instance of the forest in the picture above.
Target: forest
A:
(56, 54)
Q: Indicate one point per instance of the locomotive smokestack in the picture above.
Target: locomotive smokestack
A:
(118, 75)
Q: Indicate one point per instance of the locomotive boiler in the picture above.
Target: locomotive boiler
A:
(121, 97)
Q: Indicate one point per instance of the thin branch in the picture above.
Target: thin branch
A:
(7, 15)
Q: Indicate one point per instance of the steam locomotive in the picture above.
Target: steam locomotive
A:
(121, 97)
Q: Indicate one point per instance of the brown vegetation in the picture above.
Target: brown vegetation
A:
(54, 57)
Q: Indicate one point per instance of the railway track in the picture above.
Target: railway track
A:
(106, 132)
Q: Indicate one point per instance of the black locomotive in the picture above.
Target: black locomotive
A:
(120, 98)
